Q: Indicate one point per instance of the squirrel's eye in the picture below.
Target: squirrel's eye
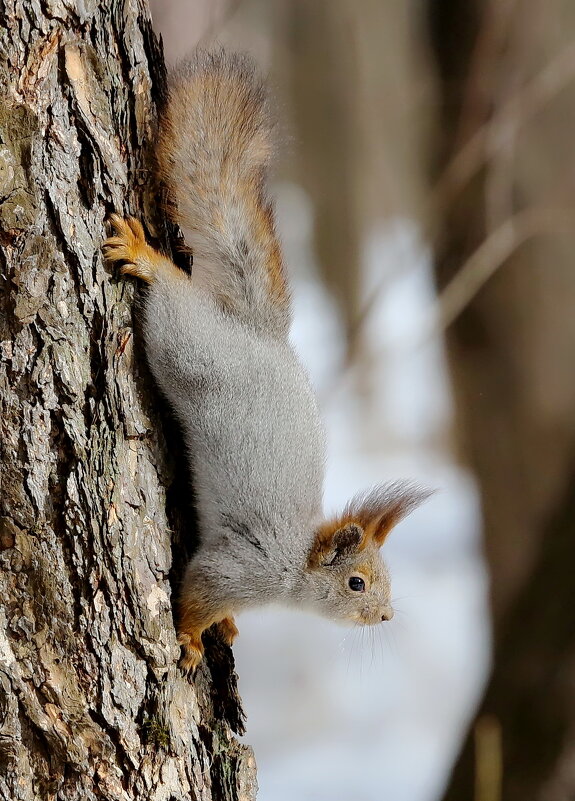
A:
(357, 584)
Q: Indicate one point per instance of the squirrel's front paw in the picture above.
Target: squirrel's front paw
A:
(193, 651)
(130, 246)
(228, 630)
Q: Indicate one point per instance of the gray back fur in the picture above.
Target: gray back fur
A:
(253, 435)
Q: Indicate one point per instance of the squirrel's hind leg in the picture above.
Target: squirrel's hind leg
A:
(140, 259)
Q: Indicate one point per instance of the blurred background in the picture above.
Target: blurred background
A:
(426, 201)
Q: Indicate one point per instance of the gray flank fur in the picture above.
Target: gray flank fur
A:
(253, 435)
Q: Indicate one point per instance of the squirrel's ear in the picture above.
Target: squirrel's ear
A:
(381, 508)
(369, 516)
(333, 542)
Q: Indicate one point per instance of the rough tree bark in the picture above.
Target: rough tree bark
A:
(92, 705)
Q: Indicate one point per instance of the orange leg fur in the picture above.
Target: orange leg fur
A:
(141, 260)
(191, 642)
(194, 619)
(228, 630)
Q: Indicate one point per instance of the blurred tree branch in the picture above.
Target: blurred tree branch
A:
(490, 255)
(510, 344)
(490, 137)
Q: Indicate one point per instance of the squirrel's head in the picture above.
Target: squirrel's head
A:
(346, 579)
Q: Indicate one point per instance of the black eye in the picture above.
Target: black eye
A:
(356, 584)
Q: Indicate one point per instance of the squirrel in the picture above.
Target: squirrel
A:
(217, 345)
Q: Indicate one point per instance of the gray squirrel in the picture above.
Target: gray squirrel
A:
(217, 345)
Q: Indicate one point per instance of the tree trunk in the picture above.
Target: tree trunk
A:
(92, 704)
(506, 72)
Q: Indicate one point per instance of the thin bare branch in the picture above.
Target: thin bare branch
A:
(492, 254)
(524, 105)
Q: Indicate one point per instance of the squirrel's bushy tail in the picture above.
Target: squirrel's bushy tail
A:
(215, 144)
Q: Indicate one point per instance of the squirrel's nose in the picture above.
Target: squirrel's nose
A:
(387, 613)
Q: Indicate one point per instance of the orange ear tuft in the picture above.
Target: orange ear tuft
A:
(378, 510)
(369, 516)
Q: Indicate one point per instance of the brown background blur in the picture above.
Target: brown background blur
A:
(458, 116)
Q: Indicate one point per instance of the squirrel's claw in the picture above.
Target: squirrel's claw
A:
(228, 630)
(130, 246)
(140, 259)
(193, 652)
